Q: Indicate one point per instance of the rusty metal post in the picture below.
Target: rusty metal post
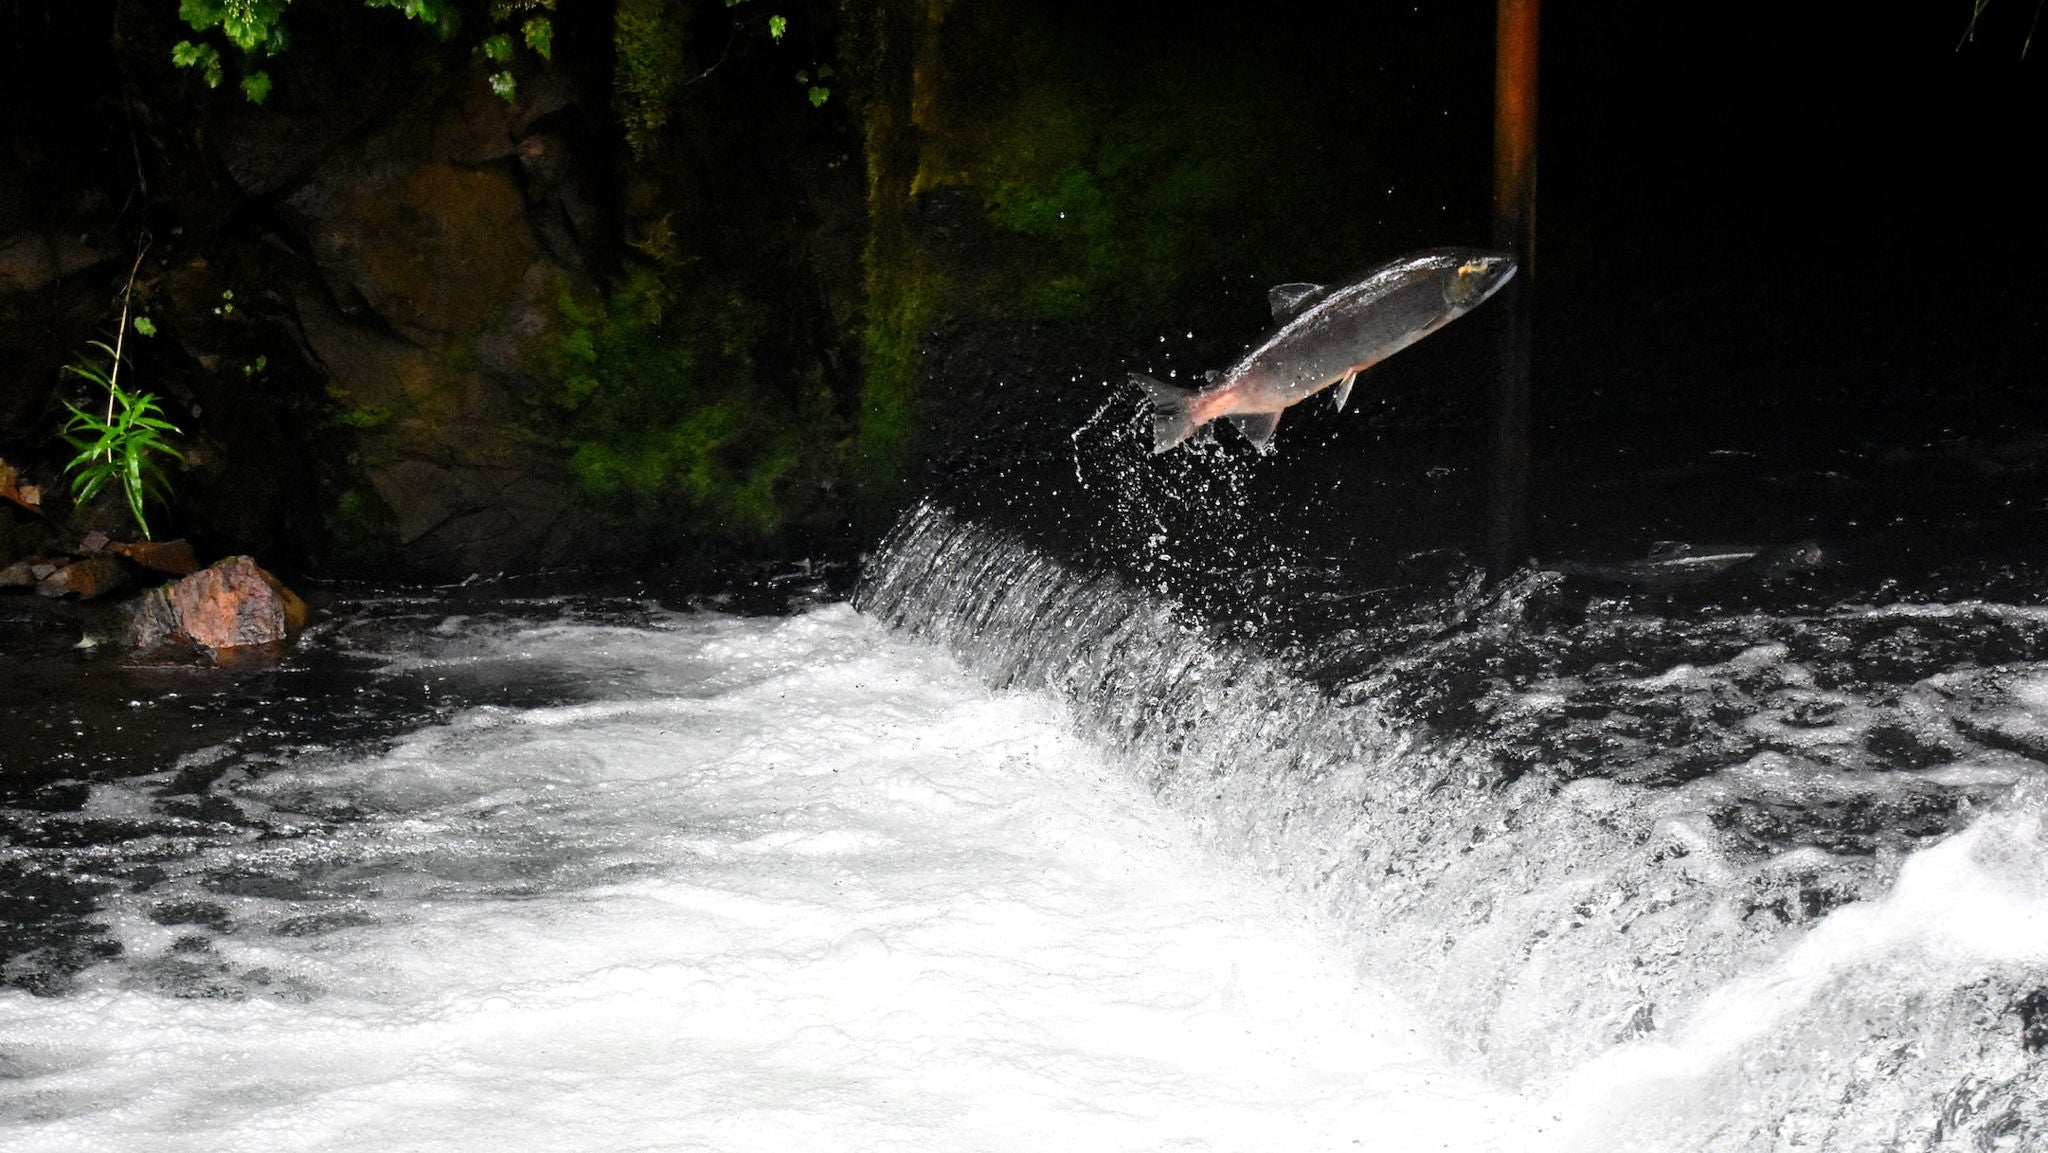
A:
(1514, 229)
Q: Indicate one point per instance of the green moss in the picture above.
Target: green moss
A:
(364, 417)
(647, 42)
(683, 456)
(900, 312)
(1128, 215)
(1059, 297)
(361, 535)
(1122, 181)
(666, 425)
(757, 499)
(1068, 203)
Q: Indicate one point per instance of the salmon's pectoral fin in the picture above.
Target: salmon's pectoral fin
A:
(1257, 427)
(1171, 420)
(1343, 392)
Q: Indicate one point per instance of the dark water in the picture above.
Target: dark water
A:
(77, 711)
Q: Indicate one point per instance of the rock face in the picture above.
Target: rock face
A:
(232, 604)
(86, 579)
(434, 289)
(166, 556)
(352, 290)
(410, 328)
(89, 567)
(363, 292)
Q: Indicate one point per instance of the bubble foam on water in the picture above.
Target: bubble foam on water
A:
(849, 900)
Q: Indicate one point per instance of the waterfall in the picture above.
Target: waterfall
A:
(1791, 886)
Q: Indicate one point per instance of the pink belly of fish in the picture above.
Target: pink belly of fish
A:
(1237, 398)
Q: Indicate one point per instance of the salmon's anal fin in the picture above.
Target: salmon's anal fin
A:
(1172, 422)
(1257, 427)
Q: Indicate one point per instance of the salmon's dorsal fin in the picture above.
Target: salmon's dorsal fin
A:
(1257, 427)
(1291, 300)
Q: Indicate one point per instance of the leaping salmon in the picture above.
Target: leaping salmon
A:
(1327, 336)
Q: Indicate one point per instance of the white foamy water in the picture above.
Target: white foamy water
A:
(1735, 881)
(789, 884)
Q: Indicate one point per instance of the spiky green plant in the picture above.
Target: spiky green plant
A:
(124, 446)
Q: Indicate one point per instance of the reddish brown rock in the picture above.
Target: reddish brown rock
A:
(85, 579)
(11, 488)
(232, 604)
(167, 556)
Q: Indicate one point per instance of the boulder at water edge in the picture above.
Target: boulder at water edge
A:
(232, 604)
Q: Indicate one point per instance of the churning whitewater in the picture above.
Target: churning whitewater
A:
(1752, 871)
(775, 884)
(1022, 855)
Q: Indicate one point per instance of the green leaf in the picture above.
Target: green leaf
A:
(256, 86)
(145, 326)
(819, 96)
(540, 36)
(506, 87)
(122, 446)
(89, 372)
(441, 14)
(205, 57)
(200, 14)
(498, 48)
(777, 25)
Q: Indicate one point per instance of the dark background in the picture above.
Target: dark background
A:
(1788, 279)
(1788, 288)
(1827, 203)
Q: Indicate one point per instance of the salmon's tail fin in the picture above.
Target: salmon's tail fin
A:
(1173, 419)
